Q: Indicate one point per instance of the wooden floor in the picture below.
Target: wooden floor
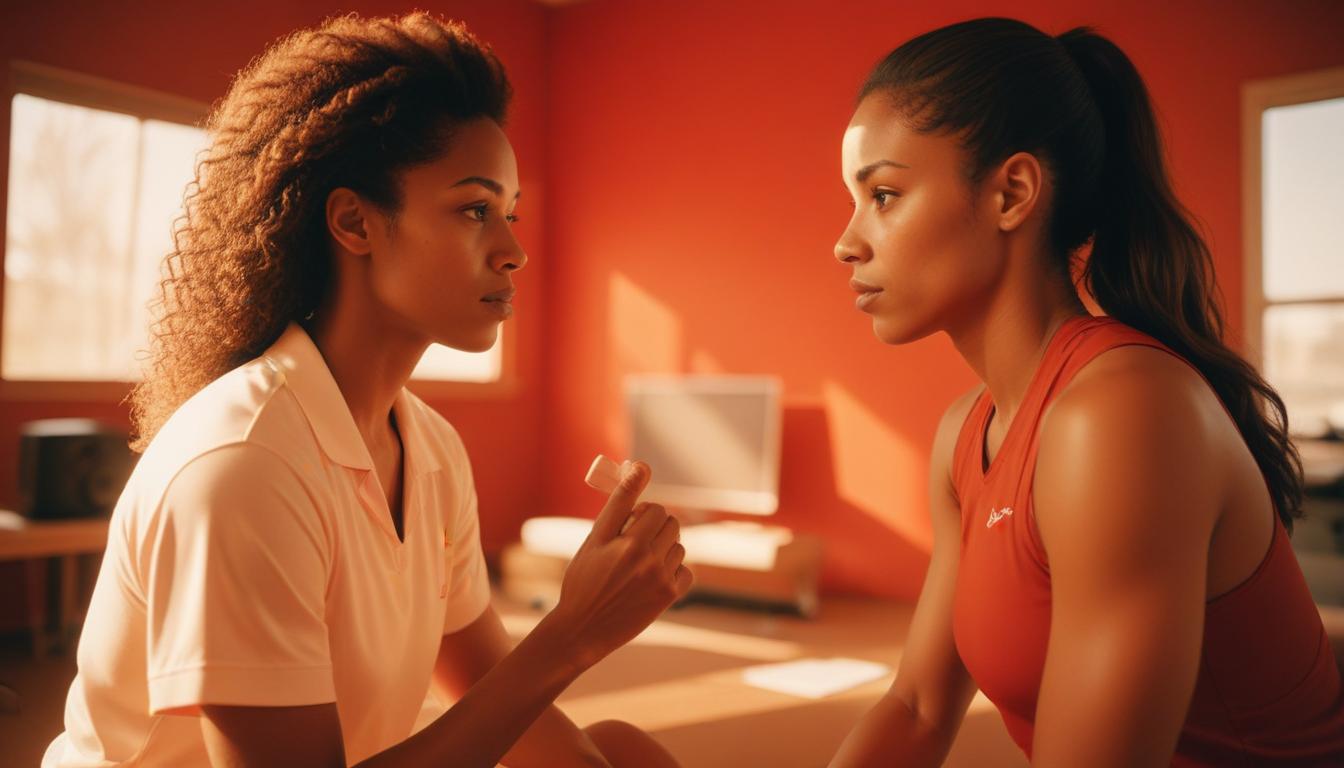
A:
(32, 700)
(681, 681)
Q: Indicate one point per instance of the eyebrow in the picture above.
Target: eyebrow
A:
(871, 168)
(490, 184)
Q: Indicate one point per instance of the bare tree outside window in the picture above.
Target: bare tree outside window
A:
(68, 245)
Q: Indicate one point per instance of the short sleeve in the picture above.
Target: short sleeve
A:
(235, 580)
(468, 580)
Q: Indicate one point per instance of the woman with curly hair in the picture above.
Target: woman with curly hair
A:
(296, 558)
(1111, 509)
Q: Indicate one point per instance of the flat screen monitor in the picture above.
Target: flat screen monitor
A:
(712, 441)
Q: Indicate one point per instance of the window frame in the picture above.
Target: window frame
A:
(55, 84)
(1257, 96)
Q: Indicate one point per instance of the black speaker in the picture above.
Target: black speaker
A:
(71, 468)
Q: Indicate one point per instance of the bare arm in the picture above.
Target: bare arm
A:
(916, 720)
(475, 732)
(553, 739)
(615, 586)
(1127, 493)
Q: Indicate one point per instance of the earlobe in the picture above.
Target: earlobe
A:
(346, 221)
(1020, 188)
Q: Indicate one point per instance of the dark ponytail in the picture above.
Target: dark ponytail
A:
(1080, 106)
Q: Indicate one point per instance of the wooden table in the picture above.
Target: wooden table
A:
(39, 541)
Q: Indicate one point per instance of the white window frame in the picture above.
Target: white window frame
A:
(1256, 97)
(55, 84)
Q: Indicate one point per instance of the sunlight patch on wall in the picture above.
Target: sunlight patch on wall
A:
(704, 363)
(876, 469)
(644, 335)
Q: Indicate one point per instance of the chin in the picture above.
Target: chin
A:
(480, 343)
(897, 331)
(479, 347)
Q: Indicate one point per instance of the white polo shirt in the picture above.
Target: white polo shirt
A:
(252, 561)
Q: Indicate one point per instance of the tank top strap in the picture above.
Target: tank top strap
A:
(967, 455)
(1057, 363)
(1078, 343)
(1090, 338)
(1074, 344)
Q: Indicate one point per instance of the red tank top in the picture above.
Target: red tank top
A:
(1268, 691)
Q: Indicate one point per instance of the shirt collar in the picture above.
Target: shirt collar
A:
(307, 376)
(306, 373)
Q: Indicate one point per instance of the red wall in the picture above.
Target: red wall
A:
(696, 196)
(681, 162)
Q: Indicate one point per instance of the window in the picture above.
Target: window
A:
(97, 173)
(1294, 211)
(442, 363)
(92, 197)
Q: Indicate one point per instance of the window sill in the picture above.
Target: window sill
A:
(65, 391)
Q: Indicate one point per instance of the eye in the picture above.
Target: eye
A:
(883, 197)
(481, 213)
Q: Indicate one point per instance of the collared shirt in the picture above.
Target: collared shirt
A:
(252, 561)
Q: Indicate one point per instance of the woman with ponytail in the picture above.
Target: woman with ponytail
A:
(296, 559)
(1111, 510)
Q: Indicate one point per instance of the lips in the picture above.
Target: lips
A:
(500, 302)
(858, 286)
(867, 293)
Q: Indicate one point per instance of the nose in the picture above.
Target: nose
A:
(850, 249)
(510, 257)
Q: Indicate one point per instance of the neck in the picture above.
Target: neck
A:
(369, 356)
(1004, 344)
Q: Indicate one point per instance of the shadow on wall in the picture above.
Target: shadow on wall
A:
(869, 546)
(846, 475)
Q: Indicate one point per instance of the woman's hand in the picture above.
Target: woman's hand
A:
(622, 578)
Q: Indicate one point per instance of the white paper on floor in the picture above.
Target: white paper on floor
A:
(814, 678)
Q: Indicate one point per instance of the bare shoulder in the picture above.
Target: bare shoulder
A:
(1139, 363)
(1137, 429)
(1140, 386)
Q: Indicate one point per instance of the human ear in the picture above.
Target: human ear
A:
(346, 221)
(1018, 189)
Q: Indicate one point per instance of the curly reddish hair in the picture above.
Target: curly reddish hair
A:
(350, 104)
